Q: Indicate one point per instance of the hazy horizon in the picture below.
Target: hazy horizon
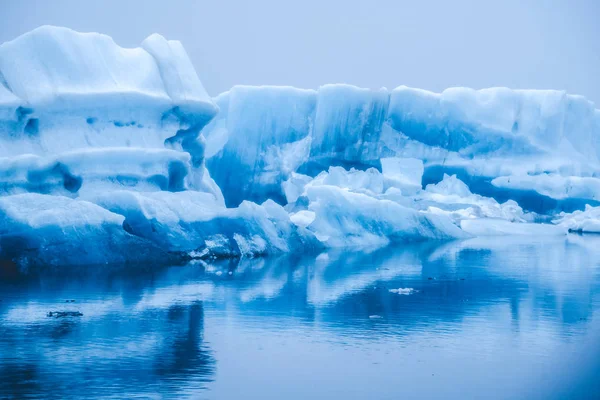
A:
(430, 45)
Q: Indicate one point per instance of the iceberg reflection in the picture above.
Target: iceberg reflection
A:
(169, 330)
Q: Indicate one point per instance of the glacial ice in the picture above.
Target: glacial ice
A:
(499, 227)
(56, 230)
(195, 223)
(264, 129)
(453, 198)
(344, 218)
(100, 149)
(485, 137)
(114, 155)
(586, 221)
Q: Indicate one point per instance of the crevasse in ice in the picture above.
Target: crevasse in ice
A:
(112, 155)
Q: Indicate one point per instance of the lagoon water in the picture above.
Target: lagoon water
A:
(486, 318)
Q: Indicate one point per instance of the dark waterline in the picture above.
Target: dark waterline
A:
(494, 318)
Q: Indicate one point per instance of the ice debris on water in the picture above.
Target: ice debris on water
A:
(403, 291)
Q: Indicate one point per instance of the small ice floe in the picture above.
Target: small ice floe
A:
(60, 314)
(375, 316)
(405, 291)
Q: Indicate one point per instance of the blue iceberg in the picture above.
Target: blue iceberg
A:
(115, 155)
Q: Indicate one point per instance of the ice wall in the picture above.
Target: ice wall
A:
(479, 134)
(262, 134)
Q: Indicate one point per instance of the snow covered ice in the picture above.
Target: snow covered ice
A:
(112, 155)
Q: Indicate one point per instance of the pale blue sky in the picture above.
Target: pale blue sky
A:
(551, 44)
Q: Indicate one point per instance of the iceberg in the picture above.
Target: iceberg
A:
(102, 160)
(64, 91)
(119, 155)
(586, 221)
(56, 230)
(486, 137)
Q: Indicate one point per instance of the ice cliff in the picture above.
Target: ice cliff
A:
(114, 155)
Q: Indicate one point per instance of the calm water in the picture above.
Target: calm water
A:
(486, 318)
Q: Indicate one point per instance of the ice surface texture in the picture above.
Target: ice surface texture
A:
(114, 155)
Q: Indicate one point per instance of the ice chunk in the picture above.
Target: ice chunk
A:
(370, 180)
(486, 134)
(402, 173)
(42, 229)
(265, 127)
(293, 187)
(345, 218)
(453, 198)
(265, 133)
(403, 291)
(587, 221)
(192, 221)
(450, 186)
(503, 134)
(64, 92)
(303, 218)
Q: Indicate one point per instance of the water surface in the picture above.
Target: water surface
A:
(495, 318)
